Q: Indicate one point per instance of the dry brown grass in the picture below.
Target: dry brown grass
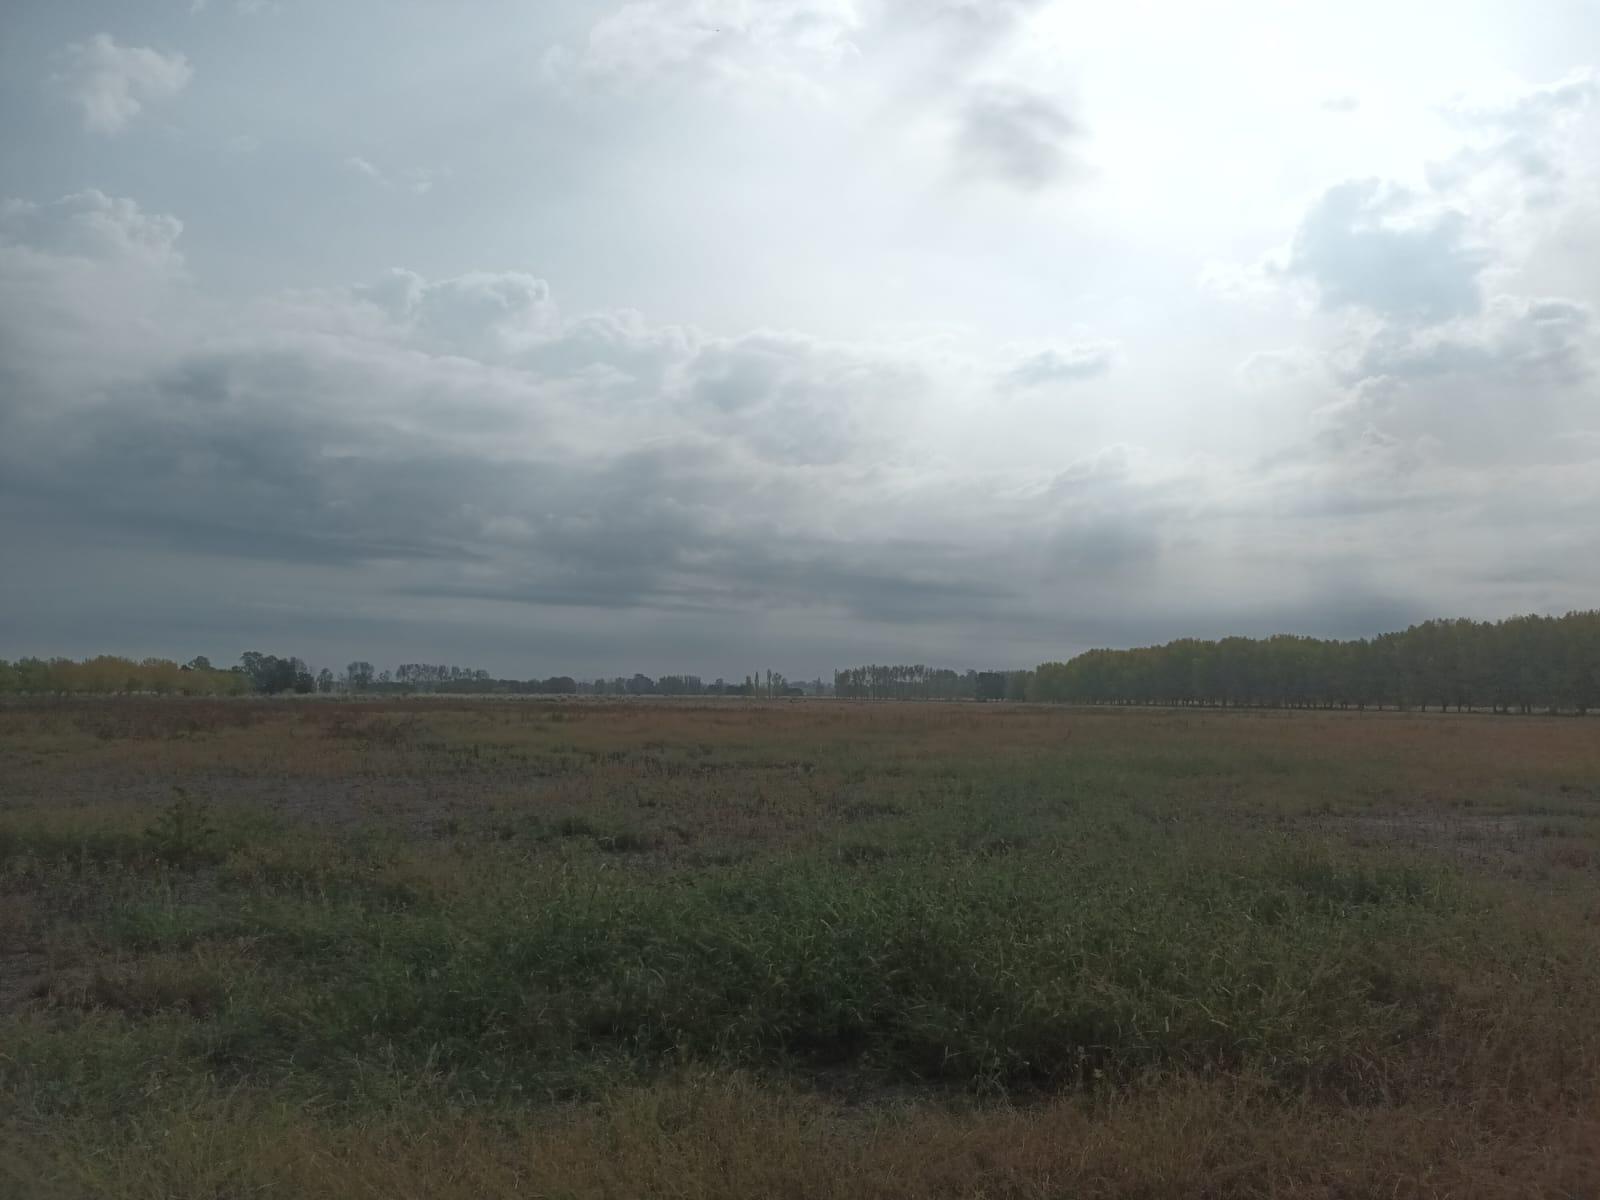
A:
(437, 806)
(721, 1138)
(765, 774)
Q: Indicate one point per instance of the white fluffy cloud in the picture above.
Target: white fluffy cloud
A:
(112, 83)
(1445, 380)
(1374, 246)
(90, 224)
(1523, 134)
(1443, 342)
(91, 286)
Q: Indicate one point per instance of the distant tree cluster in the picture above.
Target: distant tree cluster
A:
(107, 673)
(1520, 664)
(556, 685)
(928, 683)
(361, 677)
(270, 675)
(414, 677)
(774, 684)
(265, 674)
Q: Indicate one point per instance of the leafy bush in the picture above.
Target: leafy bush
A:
(182, 832)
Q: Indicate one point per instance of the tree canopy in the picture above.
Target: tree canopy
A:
(1520, 664)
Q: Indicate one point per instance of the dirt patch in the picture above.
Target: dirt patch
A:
(1428, 829)
(1506, 842)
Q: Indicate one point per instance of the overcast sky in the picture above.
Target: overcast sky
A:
(715, 335)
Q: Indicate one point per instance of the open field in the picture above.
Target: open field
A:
(467, 948)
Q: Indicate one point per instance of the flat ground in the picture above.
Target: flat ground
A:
(475, 948)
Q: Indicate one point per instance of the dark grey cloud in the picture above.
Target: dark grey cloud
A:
(1017, 136)
(1368, 245)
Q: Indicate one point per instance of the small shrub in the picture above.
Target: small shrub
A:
(569, 827)
(182, 833)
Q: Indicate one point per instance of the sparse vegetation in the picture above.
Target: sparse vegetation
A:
(440, 948)
(182, 832)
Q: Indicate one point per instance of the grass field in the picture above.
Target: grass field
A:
(481, 948)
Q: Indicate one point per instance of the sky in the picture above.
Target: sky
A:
(725, 335)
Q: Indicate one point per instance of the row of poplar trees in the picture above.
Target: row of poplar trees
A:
(1522, 664)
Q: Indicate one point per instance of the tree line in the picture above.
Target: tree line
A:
(270, 674)
(107, 673)
(361, 677)
(1521, 664)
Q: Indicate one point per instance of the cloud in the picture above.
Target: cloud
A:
(461, 441)
(1527, 136)
(1068, 364)
(1532, 110)
(1258, 283)
(90, 224)
(1369, 245)
(1505, 386)
(1452, 379)
(460, 454)
(1275, 368)
(797, 400)
(245, 8)
(111, 83)
(969, 14)
(709, 41)
(456, 420)
(419, 181)
(1535, 344)
(964, 32)
(1016, 136)
(486, 315)
(89, 286)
